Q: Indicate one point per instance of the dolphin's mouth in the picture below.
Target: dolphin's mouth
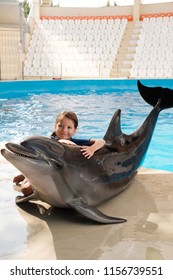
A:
(22, 151)
(29, 153)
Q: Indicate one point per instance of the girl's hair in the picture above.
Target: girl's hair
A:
(69, 115)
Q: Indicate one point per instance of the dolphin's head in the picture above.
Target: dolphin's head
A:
(42, 162)
(33, 150)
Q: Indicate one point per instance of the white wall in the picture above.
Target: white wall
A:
(118, 10)
(103, 11)
(157, 8)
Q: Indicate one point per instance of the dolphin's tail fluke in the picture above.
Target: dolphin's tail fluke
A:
(152, 95)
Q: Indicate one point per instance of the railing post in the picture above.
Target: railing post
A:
(21, 26)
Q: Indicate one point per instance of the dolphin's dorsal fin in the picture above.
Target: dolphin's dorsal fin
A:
(114, 128)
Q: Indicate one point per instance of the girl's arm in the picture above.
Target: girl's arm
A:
(88, 151)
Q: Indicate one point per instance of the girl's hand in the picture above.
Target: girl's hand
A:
(18, 179)
(26, 187)
(87, 151)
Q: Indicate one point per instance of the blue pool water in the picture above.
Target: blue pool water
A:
(30, 108)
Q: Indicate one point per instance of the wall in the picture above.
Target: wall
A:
(55, 11)
(118, 10)
(9, 14)
(157, 8)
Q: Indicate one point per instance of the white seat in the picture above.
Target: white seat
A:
(33, 71)
(26, 71)
(134, 73)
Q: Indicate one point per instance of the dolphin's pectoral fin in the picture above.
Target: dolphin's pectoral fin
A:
(23, 199)
(93, 213)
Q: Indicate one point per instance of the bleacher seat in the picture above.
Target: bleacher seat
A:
(83, 48)
(155, 49)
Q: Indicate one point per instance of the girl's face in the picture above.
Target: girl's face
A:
(65, 129)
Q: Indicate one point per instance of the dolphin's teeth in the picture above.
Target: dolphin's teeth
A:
(21, 155)
(25, 156)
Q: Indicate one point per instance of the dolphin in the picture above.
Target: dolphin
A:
(62, 177)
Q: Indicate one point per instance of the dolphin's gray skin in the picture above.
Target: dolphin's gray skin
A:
(63, 177)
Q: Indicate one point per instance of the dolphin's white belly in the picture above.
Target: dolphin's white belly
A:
(47, 191)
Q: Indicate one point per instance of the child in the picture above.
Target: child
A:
(65, 127)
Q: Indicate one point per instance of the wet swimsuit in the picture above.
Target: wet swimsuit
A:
(80, 142)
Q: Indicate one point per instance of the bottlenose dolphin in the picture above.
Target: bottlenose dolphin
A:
(62, 177)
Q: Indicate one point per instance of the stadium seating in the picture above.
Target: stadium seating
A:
(63, 47)
(87, 47)
(154, 52)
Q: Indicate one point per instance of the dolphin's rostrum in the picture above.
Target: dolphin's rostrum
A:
(62, 177)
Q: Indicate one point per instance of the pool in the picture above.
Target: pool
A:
(30, 108)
